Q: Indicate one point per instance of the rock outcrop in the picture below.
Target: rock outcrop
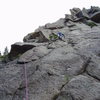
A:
(76, 14)
(66, 69)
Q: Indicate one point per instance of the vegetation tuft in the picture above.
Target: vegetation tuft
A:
(91, 24)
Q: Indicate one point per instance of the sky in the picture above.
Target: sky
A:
(20, 17)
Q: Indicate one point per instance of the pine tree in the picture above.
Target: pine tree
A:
(5, 55)
(0, 53)
(5, 51)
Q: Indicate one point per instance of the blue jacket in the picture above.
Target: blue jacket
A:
(60, 35)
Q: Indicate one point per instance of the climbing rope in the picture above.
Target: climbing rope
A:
(26, 83)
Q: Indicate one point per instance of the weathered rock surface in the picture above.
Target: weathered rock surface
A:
(39, 36)
(66, 69)
(57, 25)
(93, 68)
(80, 88)
(34, 54)
(21, 47)
(76, 14)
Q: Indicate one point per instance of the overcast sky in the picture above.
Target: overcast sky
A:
(20, 17)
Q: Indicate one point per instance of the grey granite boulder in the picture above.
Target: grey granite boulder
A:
(37, 36)
(33, 54)
(93, 68)
(57, 25)
(96, 17)
(19, 48)
(80, 88)
(89, 14)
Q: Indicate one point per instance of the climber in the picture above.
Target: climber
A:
(53, 37)
(61, 36)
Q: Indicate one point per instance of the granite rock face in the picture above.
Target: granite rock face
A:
(66, 69)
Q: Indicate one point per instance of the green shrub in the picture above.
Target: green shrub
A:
(11, 58)
(4, 58)
(53, 37)
(67, 78)
(55, 96)
(91, 24)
